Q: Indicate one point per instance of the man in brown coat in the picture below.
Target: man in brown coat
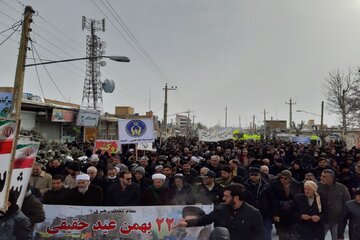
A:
(40, 179)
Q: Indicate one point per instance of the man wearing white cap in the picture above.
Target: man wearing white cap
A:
(86, 194)
(157, 194)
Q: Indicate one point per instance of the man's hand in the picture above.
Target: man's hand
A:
(305, 217)
(315, 218)
(182, 223)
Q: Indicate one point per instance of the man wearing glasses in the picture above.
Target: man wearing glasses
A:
(125, 193)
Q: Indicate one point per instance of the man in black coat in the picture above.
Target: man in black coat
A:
(285, 190)
(85, 194)
(242, 220)
(58, 195)
(56, 168)
(123, 193)
(157, 194)
(351, 211)
(209, 192)
(259, 195)
(141, 179)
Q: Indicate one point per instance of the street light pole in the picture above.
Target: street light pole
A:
(114, 58)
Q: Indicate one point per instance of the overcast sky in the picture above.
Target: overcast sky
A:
(247, 55)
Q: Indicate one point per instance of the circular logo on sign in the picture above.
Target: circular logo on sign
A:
(135, 128)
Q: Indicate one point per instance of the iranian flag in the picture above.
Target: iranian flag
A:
(7, 134)
(25, 157)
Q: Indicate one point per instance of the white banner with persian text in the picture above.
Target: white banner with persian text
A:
(215, 135)
(86, 222)
(146, 146)
(87, 118)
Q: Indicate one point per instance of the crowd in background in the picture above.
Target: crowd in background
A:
(302, 189)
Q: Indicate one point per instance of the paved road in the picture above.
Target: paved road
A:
(328, 236)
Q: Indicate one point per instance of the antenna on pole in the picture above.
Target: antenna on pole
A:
(92, 91)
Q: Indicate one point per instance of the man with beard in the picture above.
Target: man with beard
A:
(215, 165)
(183, 192)
(189, 173)
(225, 178)
(58, 195)
(74, 170)
(56, 168)
(157, 194)
(346, 177)
(40, 179)
(241, 219)
(94, 178)
(125, 192)
(85, 194)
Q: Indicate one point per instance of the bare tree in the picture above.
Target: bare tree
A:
(297, 128)
(340, 90)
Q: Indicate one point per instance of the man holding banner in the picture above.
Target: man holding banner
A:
(242, 220)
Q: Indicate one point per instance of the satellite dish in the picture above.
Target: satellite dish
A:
(108, 86)
(103, 63)
(103, 44)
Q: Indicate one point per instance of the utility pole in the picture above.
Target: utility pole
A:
(264, 124)
(18, 88)
(150, 100)
(193, 123)
(322, 118)
(166, 105)
(226, 117)
(20, 67)
(239, 123)
(291, 103)
(253, 124)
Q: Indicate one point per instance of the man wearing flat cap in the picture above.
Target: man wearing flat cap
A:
(209, 192)
(157, 193)
(260, 196)
(85, 194)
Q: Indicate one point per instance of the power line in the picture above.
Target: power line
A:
(137, 43)
(10, 35)
(11, 6)
(12, 27)
(155, 67)
(37, 73)
(48, 72)
(126, 39)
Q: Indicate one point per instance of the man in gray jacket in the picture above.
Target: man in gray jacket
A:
(334, 196)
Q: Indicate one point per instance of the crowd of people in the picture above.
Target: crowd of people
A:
(304, 190)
